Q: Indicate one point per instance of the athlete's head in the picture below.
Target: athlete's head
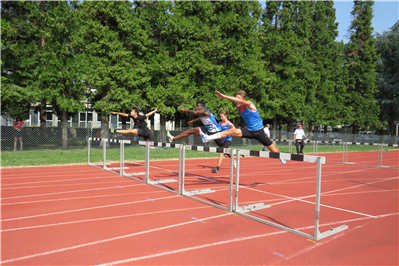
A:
(223, 115)
(200, 105)
(134, 111)
(240, 95)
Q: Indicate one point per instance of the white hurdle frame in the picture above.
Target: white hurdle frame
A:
(306, 158)
(233, 206)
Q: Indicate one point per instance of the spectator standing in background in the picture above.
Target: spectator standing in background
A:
(299, 139)
(18, 125)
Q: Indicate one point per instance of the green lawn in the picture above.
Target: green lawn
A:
(135, 153)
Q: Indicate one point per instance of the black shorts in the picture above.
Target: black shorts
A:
(259, 135)
(144, 133)
(17, 133)
(218, 142)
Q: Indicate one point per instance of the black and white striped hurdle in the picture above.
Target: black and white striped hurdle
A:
(234, 186)
(345, 145)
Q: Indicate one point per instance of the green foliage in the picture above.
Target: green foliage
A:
(360, 66)
(387, 69)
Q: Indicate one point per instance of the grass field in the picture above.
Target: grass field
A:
(136, 153)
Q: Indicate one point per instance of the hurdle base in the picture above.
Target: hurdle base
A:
(115, 168)
(330, 232)
(161, 181)
(349, 163)
(139, 173)
(252, 207)
(198, 192)
(384, 166)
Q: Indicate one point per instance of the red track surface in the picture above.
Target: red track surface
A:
(81, 215)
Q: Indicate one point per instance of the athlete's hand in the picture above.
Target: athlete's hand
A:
(219, 95)
(114, 113)
(182, 110)
(190, 122)
(156, 109)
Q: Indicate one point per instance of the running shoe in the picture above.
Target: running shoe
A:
(202, 135)
(283, 161)
(215, 170)
(170, 137)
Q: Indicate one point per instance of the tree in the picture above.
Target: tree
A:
(61, 73)
(17, 46)
(360, 66)
(109, 48)
(328, 106)
(387, 69)
(285, 54)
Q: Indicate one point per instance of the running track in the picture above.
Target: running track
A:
(81, 215)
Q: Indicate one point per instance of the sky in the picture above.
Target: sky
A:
(386, 13)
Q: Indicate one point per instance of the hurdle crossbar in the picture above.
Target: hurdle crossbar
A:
(234, 207)
(345, 145)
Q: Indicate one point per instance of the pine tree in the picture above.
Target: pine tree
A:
(360, 66)
(329, 105)
(110, 46)
(387, 69)
(18, 45)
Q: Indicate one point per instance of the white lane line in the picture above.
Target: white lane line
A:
(166, 253)
(104, 218)
(54, 181)
(111, 239)
(72, 191)
(88, 197)
(85, 209)
(74, 184)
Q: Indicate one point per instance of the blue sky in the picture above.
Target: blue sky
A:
(386, 13)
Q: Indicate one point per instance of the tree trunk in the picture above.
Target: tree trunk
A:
(43, 120)
(104, 126)
(310, 130)
(163, 128)
(64, 123)
(290, 126)
(274, 128)
(325, 133)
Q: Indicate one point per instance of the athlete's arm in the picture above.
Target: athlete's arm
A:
(195, 112)
(152, 112)
(247, 104)
(121, 114)
(193, 121)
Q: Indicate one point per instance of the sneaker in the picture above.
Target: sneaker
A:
(235, 164)
(20, 149)
(170, 137)
(202, 135)
(152, 147)
(283, 161)
(215, 170)
(301, 153)
(14, 149)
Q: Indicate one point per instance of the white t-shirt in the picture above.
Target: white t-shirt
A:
(267, 131)
(299, 133)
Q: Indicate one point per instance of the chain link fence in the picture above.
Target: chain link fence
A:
(76, 137)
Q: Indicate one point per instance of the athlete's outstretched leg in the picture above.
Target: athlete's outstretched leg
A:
(183, 134)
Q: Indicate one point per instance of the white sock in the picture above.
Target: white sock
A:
(213, 137)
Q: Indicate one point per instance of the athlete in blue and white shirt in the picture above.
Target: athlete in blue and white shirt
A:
(206, 117)
(253, 122)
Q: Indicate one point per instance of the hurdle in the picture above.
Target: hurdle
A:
(233, 206)
(191, 194)
(121, 167)
(244, 210)
(345, 151)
